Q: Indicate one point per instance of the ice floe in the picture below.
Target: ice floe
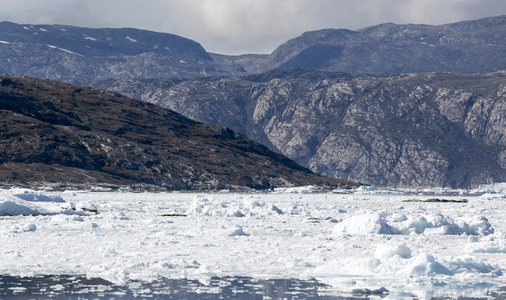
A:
(358, 243)
(208, 206)
(431, 224)
(36, 196)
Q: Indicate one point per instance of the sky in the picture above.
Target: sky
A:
(244, 26)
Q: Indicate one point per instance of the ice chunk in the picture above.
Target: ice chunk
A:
(365, 189)
(388, 250)
(30, 195)
(10, 208)
(368, 223)
(471, 265)
(14, 206)
(68, 206)
(478, 225)
(236, 230)
(86, 206)
(425, 265)
(110, 251)
(207, 206)
(29, 227)
(494, 188)
(433, 224)
(298, 190)
(488, 247)
(275, 209)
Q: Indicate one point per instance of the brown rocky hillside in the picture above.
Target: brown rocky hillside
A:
(55, 133)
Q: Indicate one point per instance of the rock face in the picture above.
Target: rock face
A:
(83, 55)
(59, 133)
(398, 131)
(466, 47)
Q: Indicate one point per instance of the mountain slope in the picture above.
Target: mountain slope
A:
(83, 55)
(397, 131)
(58, 133)
(477, 46)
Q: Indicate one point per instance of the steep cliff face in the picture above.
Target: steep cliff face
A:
(398, 131)
(83, 55)
(466, 47)
(58, 133)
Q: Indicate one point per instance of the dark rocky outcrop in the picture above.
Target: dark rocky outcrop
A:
(59, 133)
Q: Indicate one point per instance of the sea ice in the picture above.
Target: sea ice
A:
(379, 243)
(365, 224)
(30, 195)
(12, 206)
(431, 224)
(208, 206)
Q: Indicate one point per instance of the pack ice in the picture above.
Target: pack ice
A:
(359, 242)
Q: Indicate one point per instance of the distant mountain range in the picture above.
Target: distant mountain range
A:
(85, 55)
(470, 47)
(376, 105)
(69, 136)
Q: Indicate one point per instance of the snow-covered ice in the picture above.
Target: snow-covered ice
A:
(365, 242)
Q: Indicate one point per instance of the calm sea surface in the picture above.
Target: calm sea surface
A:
(75, 287)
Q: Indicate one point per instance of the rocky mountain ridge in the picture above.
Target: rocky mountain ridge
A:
(397, 131)
(84, 55)
(477, 46)
(65, 135)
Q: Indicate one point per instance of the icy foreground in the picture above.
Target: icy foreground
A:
(363, 242)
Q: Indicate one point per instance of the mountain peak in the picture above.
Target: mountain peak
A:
(84, 55)
(476, 46)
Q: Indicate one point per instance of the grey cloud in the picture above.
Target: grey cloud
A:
(244, 26)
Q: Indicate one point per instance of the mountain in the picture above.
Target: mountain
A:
(404, 130)
(84, 55)
(56, 133)
(470, 47)
(445, 130)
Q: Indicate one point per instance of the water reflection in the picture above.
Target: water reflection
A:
(75, 287)
(72, 287)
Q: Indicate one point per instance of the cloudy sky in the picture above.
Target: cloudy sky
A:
(244, 26)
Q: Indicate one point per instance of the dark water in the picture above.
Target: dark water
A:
(75, 287)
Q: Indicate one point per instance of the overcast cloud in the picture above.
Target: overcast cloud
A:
(244, 26)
